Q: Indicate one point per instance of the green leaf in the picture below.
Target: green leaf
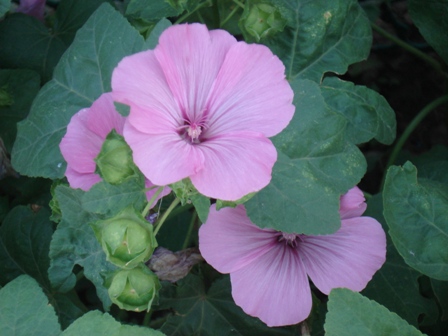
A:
(97, 323)
(319, 166)
(368, 114)
(153, 38)
(4, 7)
(440, 289)
(349, 313)
(24, 310)
(74, 243)
(201, 311)
(24, 243)
(71, 15)
(202, 206)
(28, 43)
(106, 199)
(82, 75)
(321, 36)
(396, 285)
(430, 18)
(21, 86)
(417, 214)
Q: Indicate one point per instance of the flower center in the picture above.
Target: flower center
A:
(194, 131)
(291, 239)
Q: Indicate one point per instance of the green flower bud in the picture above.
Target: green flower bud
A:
(134, 289)
(127, 239)
(263, 20)
(115, 162)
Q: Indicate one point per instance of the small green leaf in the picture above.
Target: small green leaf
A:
(202, 206)
(430, 18)
(319, 166)
(74, 243)
(201, 311)
(21, 87)
(321, 36)
(24, 310)
(350, 313)
(24, 243)
(97, 323)
(417, 214)
(4, 7)
(396, 285)
(368, 114)
(82, 75)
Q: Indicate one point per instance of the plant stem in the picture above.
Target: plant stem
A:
(428, 59)
(186, 15)
(151, 201)
(147, 318)
(232, 13)
(411, 127)
(159, 223)
(239, 3)
(190, 230)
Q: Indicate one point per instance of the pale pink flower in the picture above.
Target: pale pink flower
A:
(34, 8)
(203, 106)
(269, 269)
(82, 143)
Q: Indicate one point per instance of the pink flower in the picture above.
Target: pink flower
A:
(203, 106)
(269, 269)
(34, 8)
(82, 143)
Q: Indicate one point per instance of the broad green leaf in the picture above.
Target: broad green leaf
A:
(368, 114)
(97, 323)
(4, 7)
(27, 43)
(350, 313)
(201, 311)
(431, 19)
(153, 38)
(24, 243)
(106, 199)
(440, 289)
(74, 243)
(319, 166)
(321, 36)
(396, 285)
(25, 311)
(21, 87)
(71, 15)
(82, 75)
(417, 214)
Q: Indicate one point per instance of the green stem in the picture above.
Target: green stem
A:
(147, 318)
(232, 13)
(186, 15)
(411, 127)
(159, 223)
(428, 59)
(190, 230)
(151, 201)
(239, 3)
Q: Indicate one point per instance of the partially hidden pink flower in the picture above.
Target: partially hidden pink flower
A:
(269, 269)
(203, 105)
(85, 136)
(34, 8)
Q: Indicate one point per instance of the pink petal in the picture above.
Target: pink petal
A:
(191, 58)
(103, 117)
(139, 82)
(163, 158)
(82, 181)
(352, 204)
(80, 146)
(348, 258)
(250, 93)
(229, 241)
(274, 287)
(149, 194)
(235, 165)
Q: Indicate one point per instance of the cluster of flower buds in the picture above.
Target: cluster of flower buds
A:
(128, 241)
(261, 20)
